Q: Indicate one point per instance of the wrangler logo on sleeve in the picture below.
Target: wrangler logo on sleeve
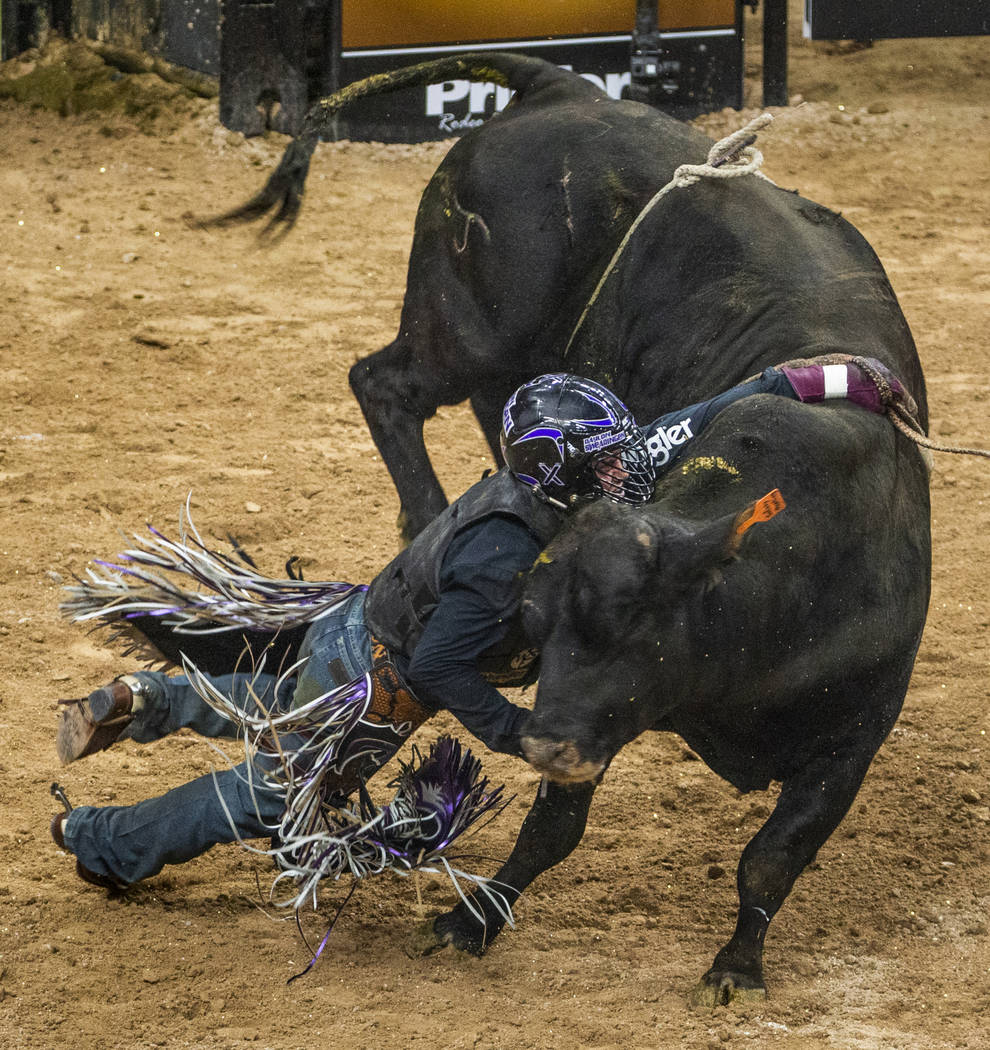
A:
(661, 441)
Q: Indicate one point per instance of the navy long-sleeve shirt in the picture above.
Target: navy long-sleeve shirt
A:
(479, 596)
(669, 436)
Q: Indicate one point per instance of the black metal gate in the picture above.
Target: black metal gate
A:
(886, 19)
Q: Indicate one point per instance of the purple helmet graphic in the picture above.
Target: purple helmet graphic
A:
(573, 440)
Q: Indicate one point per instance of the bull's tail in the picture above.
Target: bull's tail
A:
(283, 191)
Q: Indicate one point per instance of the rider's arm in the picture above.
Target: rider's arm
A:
(478, 595)
(668, 437)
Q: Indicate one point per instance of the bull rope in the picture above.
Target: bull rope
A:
(730, 158)
(903, 419)
(898, 406)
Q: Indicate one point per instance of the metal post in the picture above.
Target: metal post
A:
(336, 34)
(330, 65)
(774, 52)
(644, 61)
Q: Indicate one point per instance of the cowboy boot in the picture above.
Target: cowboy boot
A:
(57, 829)
(96, 722)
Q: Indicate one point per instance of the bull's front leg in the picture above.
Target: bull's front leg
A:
(551, 830)
(809, 809)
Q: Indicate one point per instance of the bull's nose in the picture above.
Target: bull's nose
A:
(560, 760)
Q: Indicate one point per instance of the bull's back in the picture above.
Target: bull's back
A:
(727, 277)
(524, 212)
(721, 279)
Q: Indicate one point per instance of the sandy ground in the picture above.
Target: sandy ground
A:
(142, 360)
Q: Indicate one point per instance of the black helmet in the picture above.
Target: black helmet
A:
(556, 429)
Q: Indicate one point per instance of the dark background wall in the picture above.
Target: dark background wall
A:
(884, 19)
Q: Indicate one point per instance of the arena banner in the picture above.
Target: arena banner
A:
(889, 19)
(701, 60)
(399, 23)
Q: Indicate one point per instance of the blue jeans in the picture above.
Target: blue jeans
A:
(135, 842)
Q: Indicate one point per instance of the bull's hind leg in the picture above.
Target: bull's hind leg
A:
(551, 830)
(809, 809)
(487, 406)
(397, 394)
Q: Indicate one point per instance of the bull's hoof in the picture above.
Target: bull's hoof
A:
(426, 940)
(446, 931)
(719, 988)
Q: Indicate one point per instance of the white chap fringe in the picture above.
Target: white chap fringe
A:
(226, 594)
(438, 798)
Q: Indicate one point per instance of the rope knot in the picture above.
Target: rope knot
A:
(738, 142)
(729, 158)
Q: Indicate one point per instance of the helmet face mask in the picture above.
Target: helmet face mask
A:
(574, 441)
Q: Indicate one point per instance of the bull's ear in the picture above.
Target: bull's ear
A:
(765, 508)
(714, 545)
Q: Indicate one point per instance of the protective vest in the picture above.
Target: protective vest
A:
(402, 596)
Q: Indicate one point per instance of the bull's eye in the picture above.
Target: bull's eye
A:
(592, 621)
(534, 620)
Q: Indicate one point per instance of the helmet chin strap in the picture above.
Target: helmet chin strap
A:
(541, 493)
(559, 504)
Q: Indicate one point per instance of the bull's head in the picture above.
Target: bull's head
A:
(617, 604)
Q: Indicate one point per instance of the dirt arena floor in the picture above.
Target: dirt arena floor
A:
(142, 360)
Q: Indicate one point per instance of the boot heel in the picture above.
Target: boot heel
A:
(94, 723)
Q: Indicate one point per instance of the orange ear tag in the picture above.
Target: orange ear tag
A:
(765, 508)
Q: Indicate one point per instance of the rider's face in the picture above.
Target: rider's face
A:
(611, 474)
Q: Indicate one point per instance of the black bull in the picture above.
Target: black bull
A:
(780, 655)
